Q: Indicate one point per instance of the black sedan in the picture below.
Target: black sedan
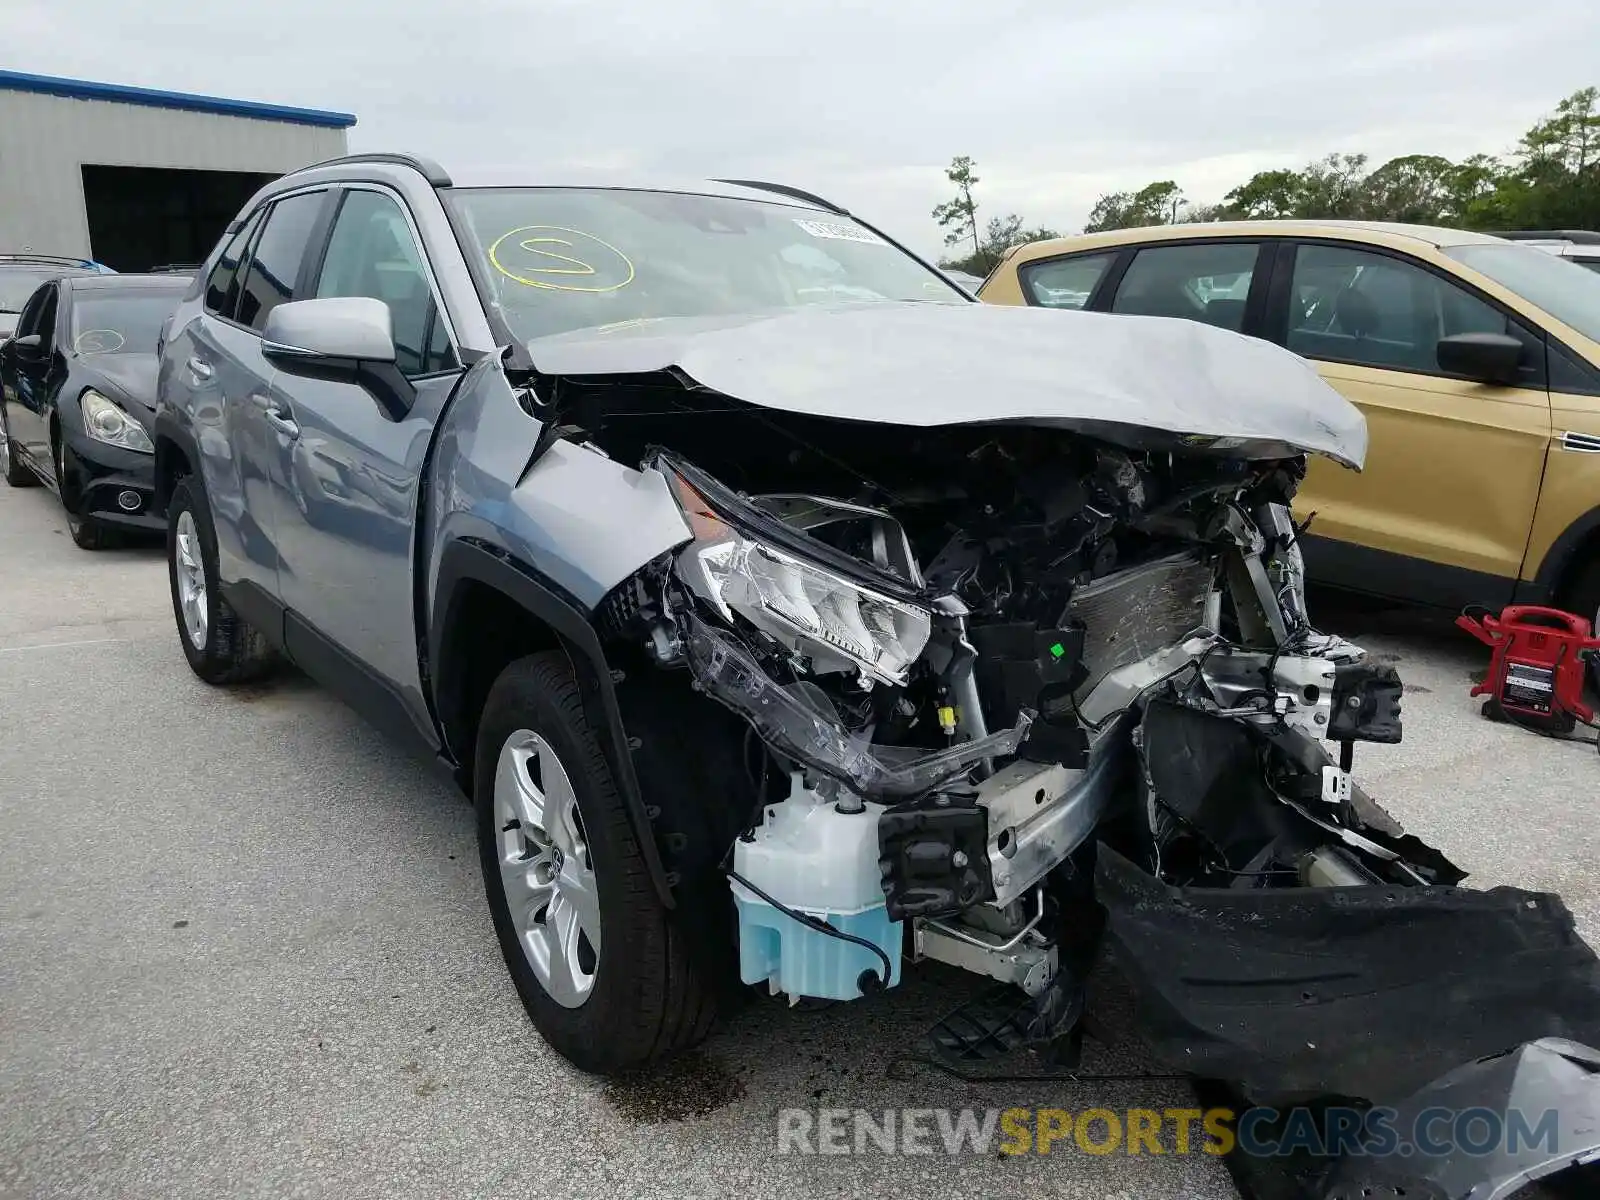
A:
(77, 386)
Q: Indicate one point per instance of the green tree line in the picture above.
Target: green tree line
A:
(1549, 180)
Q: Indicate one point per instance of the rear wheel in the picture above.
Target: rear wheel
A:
(17, 473)
(220, 646)
(598, 962)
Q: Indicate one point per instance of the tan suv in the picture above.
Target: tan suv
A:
(1476, 361)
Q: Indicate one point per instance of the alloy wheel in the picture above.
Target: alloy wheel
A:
(546, 872)
(191, 577)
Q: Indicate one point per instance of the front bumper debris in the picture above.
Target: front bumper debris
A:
(1550, 1086)
(1360, 992)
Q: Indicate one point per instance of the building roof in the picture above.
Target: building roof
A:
(83, 89)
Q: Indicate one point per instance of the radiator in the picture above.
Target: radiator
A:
(1131, 614)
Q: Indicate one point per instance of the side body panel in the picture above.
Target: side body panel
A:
(1452, 475)
(213, 377)
(1569, 503)
(349, 504)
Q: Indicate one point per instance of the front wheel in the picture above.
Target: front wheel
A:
(1583, 598)
(600, 966)
(87, 533)
(219, 645)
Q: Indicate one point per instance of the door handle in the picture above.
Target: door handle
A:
(274, 412)
(199, 368)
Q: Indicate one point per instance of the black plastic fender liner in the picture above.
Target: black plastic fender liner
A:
(461, 561)
(169, 433)
(1365, 993)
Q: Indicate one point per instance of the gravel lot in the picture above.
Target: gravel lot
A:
(243, 948)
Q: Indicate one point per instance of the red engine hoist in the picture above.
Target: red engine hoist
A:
(1538, 666)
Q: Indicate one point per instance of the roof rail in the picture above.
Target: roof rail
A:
(430, 170)
(783, 189)
(1581, 237)
(69, 260)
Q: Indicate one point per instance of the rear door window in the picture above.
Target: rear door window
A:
(275, 262)
(1064, 282)
(1208, 281)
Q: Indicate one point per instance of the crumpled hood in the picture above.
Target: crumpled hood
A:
(925, 364)
(129, 379)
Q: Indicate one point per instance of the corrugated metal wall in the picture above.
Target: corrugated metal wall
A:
(45, 140)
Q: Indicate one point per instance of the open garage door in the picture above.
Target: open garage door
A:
(143, 217)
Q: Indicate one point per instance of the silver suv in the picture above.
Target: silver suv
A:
(791, 617)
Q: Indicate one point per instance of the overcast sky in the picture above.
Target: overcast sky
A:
(1058, 101)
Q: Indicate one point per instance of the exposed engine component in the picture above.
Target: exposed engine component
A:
(1025, 956)
(953, 734)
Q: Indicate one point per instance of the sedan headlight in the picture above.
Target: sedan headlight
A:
(105, 422)
(837, 623)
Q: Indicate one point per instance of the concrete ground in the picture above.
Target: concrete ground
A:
(244, 950)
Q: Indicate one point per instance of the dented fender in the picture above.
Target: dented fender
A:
(574, 517)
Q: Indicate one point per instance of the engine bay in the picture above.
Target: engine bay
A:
(958, 687)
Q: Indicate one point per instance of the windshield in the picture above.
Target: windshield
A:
(559, 259)
(105, 322)
(1567, 292)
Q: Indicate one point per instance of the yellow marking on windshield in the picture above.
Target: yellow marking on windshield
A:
(538, 246)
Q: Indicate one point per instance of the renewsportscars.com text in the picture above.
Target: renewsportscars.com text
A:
(1262, 1132)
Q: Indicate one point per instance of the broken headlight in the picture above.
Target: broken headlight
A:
(833, 622)
(839, 624)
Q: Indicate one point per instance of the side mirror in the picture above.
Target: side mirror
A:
(339, 331)
(28, 348)
(1485, 357)
(341, 338)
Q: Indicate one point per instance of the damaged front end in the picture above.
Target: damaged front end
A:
(959, 692)
(1069, 685)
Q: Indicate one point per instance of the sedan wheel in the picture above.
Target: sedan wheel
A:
(545, 868)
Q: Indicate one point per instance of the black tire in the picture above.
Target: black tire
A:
(233, 652)
(17, 473)
(87, 533)
(1583, 598)
(649, 997)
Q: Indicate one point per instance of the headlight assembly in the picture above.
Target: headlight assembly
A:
(810, 610)
(105, 422)
(837, 623)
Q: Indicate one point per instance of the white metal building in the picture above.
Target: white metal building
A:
(134, 177)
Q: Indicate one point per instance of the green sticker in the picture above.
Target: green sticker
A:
(1057, 650)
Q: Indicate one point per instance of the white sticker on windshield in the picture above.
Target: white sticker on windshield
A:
(842, 233)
